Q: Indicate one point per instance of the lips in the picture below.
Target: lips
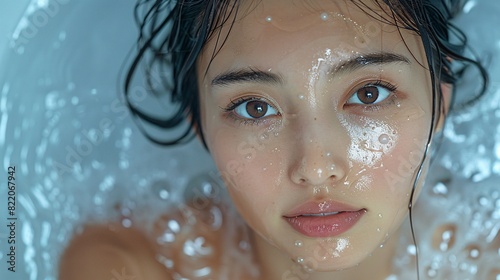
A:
(323, 218)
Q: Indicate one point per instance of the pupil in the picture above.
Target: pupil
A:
(256, 109)
(368, 95)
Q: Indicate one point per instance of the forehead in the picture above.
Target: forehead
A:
(267, 33)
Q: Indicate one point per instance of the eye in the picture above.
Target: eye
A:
(372, 94)
(253, 108)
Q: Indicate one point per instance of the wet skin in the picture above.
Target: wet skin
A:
(306, 102)
(333, 109)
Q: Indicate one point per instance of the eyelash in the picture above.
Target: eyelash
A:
(229, 110)
(390, 100)
(244, 121)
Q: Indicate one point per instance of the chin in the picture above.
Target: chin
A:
(331, 265)
(331, 254)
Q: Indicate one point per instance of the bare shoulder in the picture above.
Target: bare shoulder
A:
(110, 252)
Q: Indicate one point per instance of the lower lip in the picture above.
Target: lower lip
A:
(325, 226)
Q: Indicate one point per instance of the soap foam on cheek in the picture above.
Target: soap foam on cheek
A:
(370, 141)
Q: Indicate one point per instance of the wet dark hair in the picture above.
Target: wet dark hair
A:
(173, 34)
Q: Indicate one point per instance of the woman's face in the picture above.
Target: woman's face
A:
(317, 116)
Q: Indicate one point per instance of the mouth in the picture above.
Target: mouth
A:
(320, 214)
(323, 219)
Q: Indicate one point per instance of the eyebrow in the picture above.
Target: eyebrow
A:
(252, 75)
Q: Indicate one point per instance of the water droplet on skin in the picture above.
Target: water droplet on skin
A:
(324, 16)
(384, 139)
(301, 97)
(319, 172)
(264, 168)
(269, 18)
(380, 215)
(378, 229)
(444, 237)
(300, 260)
(298, 243)
(328, 154)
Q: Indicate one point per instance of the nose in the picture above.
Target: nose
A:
(318, 163)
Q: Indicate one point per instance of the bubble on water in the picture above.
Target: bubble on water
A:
(440, 189)
(472, 252)
(494, 274)
(483, 201)
(444, 237)
(197, 247)
(411, 250)
(107, 184)
(174, 226)
(202, 190)
(127, 223)
(211, 217)
(161, 188)
(125, 211)
(431, 272)
(51, 100)
(298, 243)
(20, 50)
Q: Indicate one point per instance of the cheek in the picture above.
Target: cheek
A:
(384, 157)
(250, 166)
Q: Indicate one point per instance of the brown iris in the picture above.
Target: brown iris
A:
(256, 109)
(368, 95)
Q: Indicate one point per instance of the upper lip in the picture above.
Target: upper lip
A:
(319, 207)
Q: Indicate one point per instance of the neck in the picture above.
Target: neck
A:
(274, 264)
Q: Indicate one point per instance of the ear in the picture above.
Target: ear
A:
(446, 91)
